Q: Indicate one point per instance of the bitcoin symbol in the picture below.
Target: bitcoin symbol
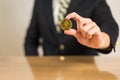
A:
(66, 24)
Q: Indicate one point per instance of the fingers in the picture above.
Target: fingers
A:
(79, 20)
(90, 30)
(71, 32)
(74, 33)
(74, 16)
(86, 26)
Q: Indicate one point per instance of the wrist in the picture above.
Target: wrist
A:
(105, 41)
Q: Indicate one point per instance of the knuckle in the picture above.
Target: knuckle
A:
(94, 23)
(85, 30)
(74, 13)
(89, 33)
(89, 19)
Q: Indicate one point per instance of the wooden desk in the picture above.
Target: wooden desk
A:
(51, 68)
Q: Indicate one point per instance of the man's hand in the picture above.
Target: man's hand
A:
(88, 33)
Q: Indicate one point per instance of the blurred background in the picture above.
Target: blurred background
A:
(15, 16)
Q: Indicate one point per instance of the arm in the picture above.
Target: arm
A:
(106, 28)
(88, 33)
(32, 36)
(103, 17)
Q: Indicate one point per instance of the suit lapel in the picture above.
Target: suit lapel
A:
(49, 18)
(48, 12)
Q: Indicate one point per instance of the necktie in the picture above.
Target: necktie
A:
(64, 4)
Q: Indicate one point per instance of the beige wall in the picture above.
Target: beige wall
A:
(14, 20)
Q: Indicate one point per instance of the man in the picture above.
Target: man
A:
(94, 29)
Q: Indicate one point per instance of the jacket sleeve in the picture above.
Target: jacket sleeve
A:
(104, 19)
(32, 35)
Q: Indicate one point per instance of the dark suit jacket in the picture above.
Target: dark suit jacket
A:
(42, 26)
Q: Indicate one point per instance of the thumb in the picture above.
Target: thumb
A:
(71, 32)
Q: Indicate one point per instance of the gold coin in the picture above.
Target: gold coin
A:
(66, 24)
